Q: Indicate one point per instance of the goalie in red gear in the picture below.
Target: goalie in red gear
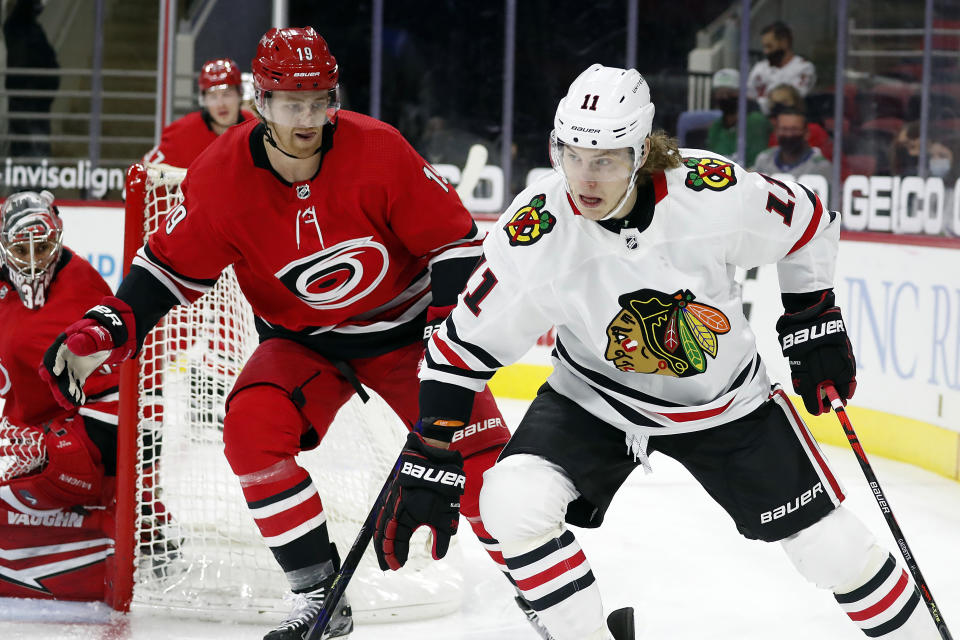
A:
(221, 91)
(56, 480)
(347, 244)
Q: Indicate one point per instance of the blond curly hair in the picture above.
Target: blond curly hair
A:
(664, 154)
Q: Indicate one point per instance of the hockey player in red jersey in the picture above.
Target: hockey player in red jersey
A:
(57, 481)
(634, 243)
(350, 249)
(182, 140)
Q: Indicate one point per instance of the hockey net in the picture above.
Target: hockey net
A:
(196, 548)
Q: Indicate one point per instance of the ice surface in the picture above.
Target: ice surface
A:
(665, 548)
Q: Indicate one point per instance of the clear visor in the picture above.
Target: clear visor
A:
(583, 164)
(299, 109)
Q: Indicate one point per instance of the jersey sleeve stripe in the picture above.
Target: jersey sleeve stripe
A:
(187, 285)
(478, 353)
(198, 282)
(161, 276)
(457, 372)
(814, 224)
(449, 353)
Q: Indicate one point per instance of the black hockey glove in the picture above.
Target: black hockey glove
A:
(425, 493)
(814, 341)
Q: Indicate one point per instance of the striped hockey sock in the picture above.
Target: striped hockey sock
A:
(885, 606)
(555, 578)
(287, 509)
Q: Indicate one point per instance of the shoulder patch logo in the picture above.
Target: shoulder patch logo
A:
(530, 223)
(664, 334)
(709, 173)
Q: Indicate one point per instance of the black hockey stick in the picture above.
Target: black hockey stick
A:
(887, 510)
(350, 563)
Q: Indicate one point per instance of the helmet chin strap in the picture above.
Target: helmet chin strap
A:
(623, 200)
(273, 143)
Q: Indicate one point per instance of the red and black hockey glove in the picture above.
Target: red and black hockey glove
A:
(815, 343)
(105, 335)
(436, 316)
(425, 493)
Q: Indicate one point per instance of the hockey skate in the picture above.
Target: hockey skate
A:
(533, 617)
(306, 609)
(621, 624)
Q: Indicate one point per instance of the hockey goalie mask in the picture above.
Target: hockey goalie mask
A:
(295, 79)
(599, 136)
(31, 241)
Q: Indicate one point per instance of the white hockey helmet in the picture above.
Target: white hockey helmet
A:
(605, 108)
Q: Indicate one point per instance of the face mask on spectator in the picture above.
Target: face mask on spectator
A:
(939, 167)
(776, 56)
(727, 105)
(791, 144)
(906, 163)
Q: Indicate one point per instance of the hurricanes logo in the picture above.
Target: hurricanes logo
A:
(530, 223)
(664, 334)
(709, 173)
(337, 276)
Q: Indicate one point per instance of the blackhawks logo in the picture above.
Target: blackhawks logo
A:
(664, 334)
(530, 223)
(709, 173)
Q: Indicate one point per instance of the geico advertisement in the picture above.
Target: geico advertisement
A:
(901, 307)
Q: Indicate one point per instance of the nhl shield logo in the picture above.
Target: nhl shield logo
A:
(303, 191)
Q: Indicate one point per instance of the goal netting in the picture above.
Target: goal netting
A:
(197, 548)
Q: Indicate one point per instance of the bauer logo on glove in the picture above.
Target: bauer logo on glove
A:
(434, 475)
(812, 333)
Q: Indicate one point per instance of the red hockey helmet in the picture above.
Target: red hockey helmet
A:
(219, 72)
(294, 59)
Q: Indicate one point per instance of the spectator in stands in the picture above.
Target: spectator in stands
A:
(722, 136)
(182, 140)
(941, 159)
(793, 154)
(779, 66)
(28, 47)
(787, 96)
(905, 153)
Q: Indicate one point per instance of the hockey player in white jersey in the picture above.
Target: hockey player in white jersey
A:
(629, 249)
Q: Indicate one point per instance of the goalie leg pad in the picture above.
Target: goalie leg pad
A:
(833, 551)
(73, 474)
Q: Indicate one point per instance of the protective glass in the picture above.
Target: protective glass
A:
(299, 109)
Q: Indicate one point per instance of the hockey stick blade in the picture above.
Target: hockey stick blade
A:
(470, 176)
(349, 565)
(887, 511)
